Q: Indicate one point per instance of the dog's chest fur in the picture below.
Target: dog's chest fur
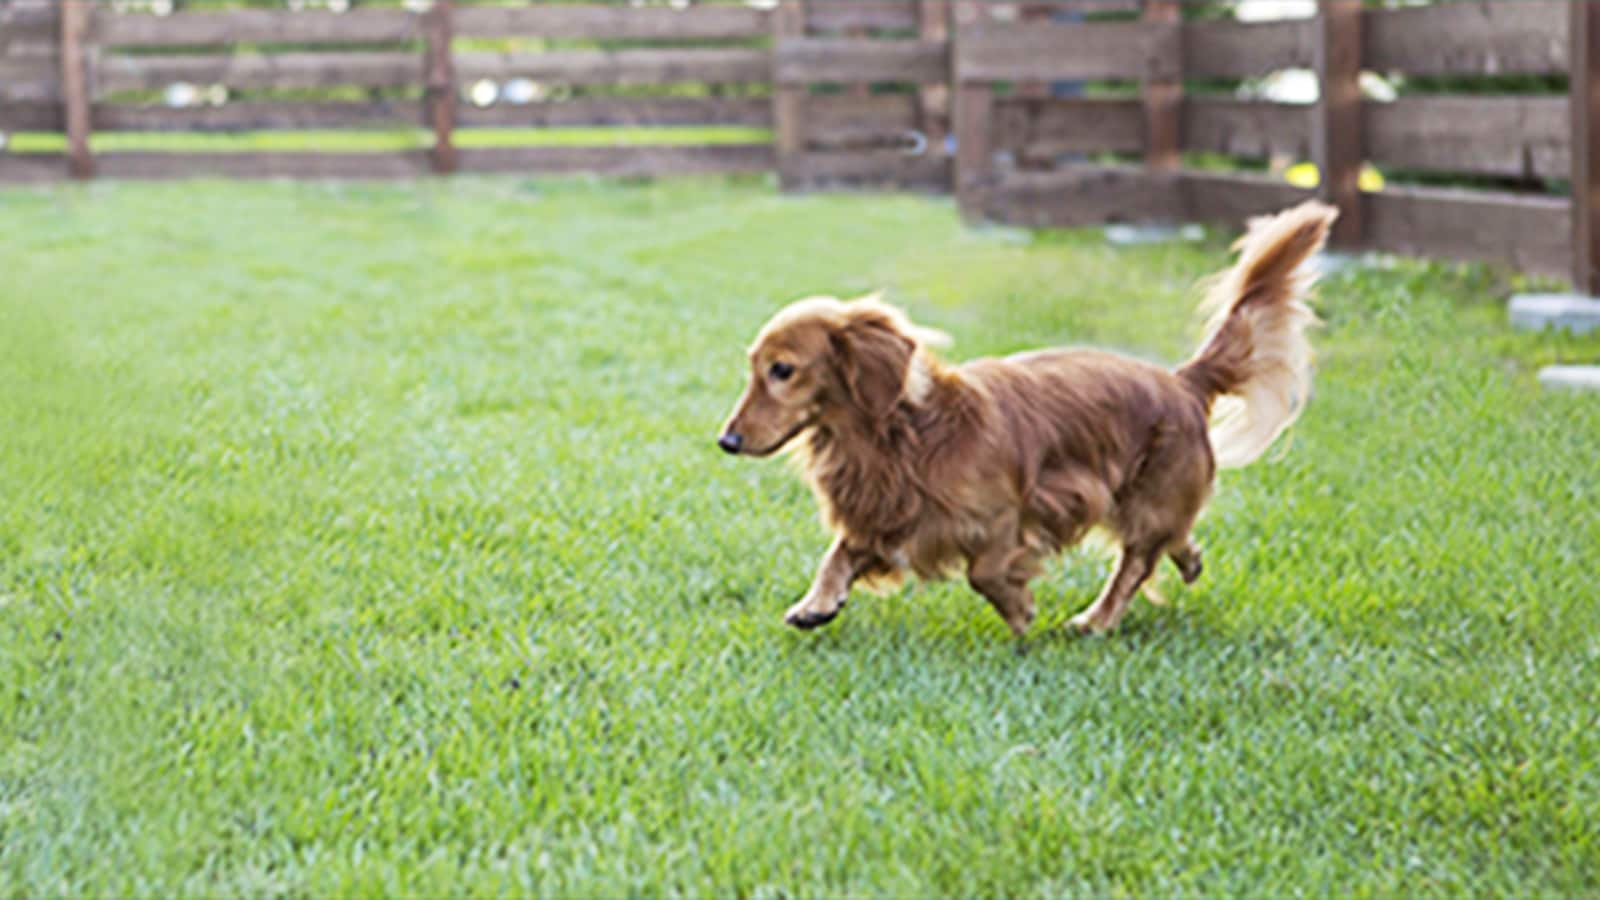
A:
(917, 504)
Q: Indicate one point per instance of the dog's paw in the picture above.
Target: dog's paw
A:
(1189, 564)
(806, 616)
(1020, 623)
(1191, 571)
(1088, 624)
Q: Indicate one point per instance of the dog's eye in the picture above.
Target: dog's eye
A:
(781, 371)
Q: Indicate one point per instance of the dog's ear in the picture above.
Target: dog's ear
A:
(874, 359)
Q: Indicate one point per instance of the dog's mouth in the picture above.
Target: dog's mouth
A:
(780, 442)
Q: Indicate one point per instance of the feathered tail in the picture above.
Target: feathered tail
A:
(1253, 369)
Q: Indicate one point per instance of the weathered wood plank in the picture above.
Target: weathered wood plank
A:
(643, 66)
(1251, 129)
(439, 84)
(788, 100)
(1245, 49)
(1519, 137)
(1080, 195)
(256, 26)
(1584, 107)
(1234, 197)
(75, 15)
(272, 164)
(1035, 10)
(30, 48)
(806, 60)
(1336, 142)
(31, 67)
(25, 56)
(842, 111)
(755, 112)
(1163, 97)
(613, 22)
(974, 132)
(258, 116)
(845, 15)
(30, 22)
(389, 69)
(933, 24)
(34, 80)
(872, 169)
(41, 51)
(1513, 136)
(1528, 232)
(32, 168)
(971, 114)
(31, 117)
(1046, 128)
(622, 160)
(1052, 51)
(842, 121)
(1490, 37)
(279, 70)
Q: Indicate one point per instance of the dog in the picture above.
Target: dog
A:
(994, 465)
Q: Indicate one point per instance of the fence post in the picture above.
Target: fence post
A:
(439, 86)
(1584, 109)
(75, 17)
(788, 100)
(974, 112)
(1336, 141)
(933, 100)
(1163, 98)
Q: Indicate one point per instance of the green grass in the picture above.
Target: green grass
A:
(371, 540)
(390, 139)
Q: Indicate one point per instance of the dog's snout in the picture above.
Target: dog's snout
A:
(731, 442)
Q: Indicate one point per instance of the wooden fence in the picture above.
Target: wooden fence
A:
(943, 95)
(1516, 137)
(378, 68)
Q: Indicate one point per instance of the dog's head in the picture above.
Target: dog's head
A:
(820, 359)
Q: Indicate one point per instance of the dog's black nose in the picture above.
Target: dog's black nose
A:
(731, 442)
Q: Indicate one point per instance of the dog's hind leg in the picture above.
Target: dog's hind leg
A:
(1103, 615)
(1187, 558)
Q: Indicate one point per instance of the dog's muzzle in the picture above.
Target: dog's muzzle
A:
(731, 442)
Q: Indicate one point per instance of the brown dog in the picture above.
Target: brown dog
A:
(995, 464)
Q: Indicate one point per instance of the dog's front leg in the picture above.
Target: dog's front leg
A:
(829, 590)
(1001, 574)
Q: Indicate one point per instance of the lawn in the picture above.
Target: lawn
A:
(372, 539)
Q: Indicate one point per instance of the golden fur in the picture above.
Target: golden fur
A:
(994, 465)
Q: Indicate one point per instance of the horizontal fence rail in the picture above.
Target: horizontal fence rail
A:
(1061, 112)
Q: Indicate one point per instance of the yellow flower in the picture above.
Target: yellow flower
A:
(1305, 175)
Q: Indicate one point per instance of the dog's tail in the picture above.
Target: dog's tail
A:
(1253, 370)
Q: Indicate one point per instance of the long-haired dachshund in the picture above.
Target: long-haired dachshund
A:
(996, 464)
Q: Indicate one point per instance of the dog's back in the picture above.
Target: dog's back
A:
(1092, 434)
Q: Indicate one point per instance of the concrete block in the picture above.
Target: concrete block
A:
(1332, 262)
(1005, 234)
(1572, 312)
(1136, 235)
(1571, 378)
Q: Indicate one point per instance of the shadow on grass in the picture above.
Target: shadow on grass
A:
(933, 625)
